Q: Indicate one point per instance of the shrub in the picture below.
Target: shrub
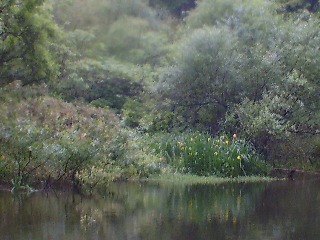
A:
(46, 138)
(140, 159)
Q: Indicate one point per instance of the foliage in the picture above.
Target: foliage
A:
(47, 138)
(112, 62)
(130, 39)
(127, 30)
(103, 84)
(142, 159)
(201, 154)
(282, 117)
(280, 110)
(26, 34)
(132, 111)
(298, 5)
(236, 70)
(85, 14)
(222, 62)
(210, 12)
(203, 80)
(177, 7)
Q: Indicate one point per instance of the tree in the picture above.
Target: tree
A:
(26, 30)
(202, 84)
(222, 60)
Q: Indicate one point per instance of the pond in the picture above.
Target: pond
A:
(273, 210)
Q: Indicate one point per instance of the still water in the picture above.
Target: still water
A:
(276, 210)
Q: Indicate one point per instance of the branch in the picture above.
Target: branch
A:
(30, 171)
(29, 160)
(313, 132)
(195, 104)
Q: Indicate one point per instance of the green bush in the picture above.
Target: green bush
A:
(140, 159)
(46, 138)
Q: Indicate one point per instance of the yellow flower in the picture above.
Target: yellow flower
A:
(234, 135)
(215, 153)
(216, 146)
(234, 220)
(226, 142)
(238, 158)
(180, 144)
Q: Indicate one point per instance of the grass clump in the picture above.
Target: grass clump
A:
(203, 155)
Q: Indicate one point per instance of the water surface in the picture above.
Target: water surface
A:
(276, 210)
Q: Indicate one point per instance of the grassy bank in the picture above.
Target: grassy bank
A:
(188, 179)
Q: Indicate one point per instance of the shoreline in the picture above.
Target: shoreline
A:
(275, 174)
(173, 178)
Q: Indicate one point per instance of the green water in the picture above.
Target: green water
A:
(276, 210)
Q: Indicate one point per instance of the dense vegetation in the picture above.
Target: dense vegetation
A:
(94, 91)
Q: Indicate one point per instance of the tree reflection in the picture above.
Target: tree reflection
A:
(278, 210)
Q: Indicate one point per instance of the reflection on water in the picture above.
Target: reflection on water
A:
(278, 210)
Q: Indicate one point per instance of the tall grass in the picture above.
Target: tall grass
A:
(204, 155)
